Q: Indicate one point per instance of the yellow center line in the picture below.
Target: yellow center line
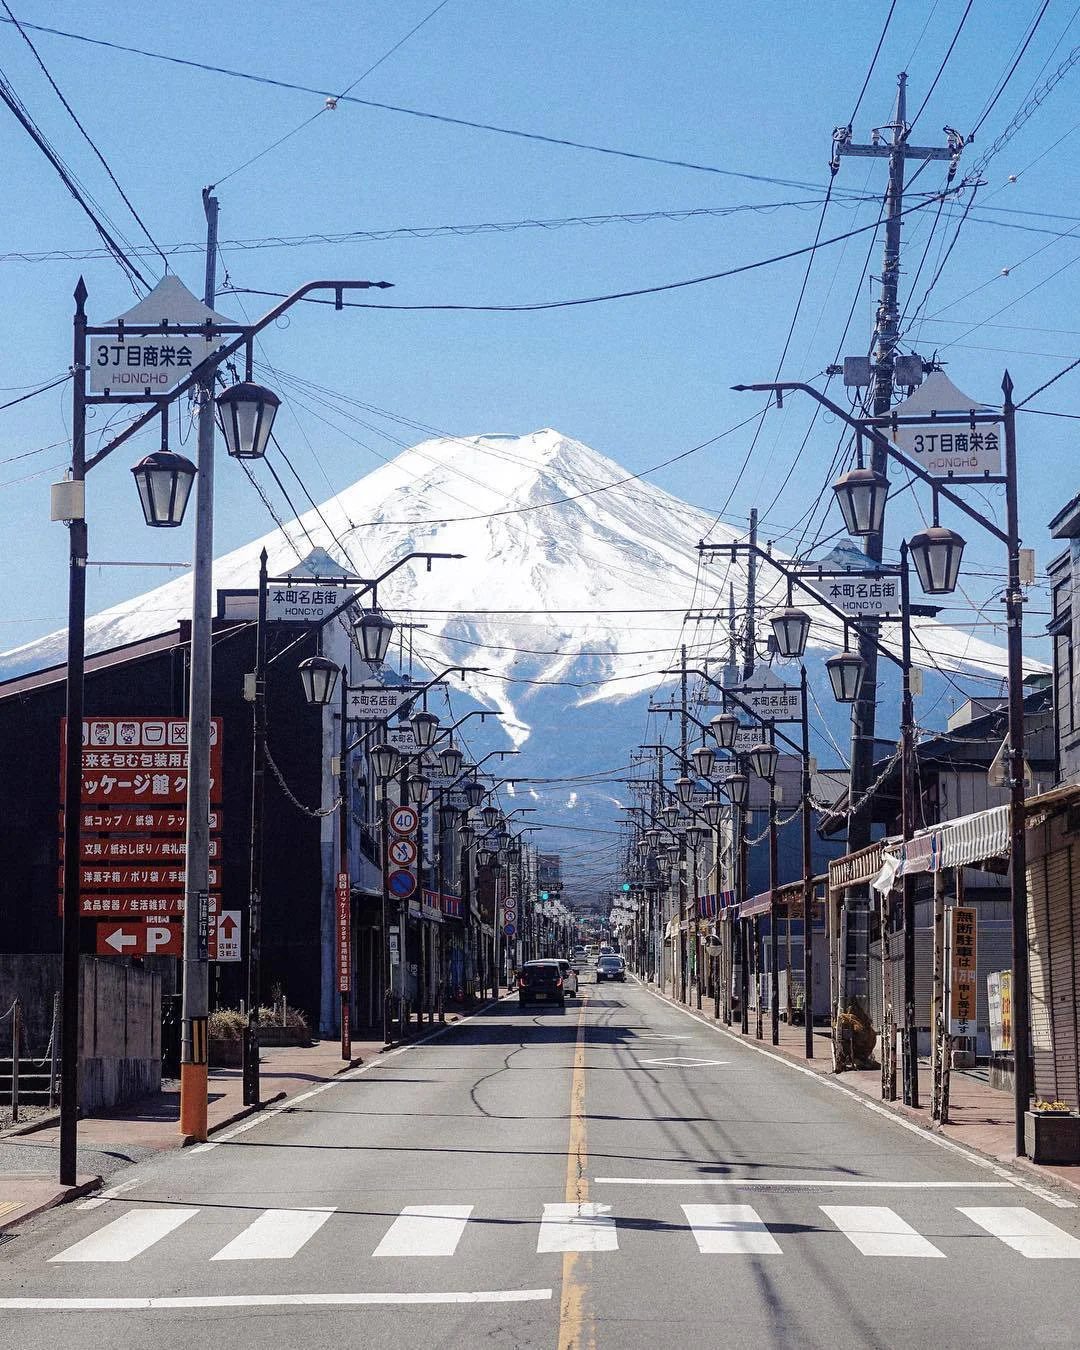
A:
(576, 1328)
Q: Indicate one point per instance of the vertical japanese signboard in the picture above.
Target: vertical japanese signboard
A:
(133, 826)
(963, 990)
(344, 933)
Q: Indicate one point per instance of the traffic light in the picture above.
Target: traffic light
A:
(625, 886)
(544, 895)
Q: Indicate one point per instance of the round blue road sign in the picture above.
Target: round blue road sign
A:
(509, 929)
(401, 884)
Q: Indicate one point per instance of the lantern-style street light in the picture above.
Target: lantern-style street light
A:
(319, 676)
(450, 758)
(246, 412)
(845, 674)
(164, 481)
(670, 812)
(385, 760)
(936, 553)
(862, 494)
(419, 789)
(737, 787)
(724, 728)
(704, 757)
(763, 759)
(372, 630)
(425, 726)
(713, 811)
(791, 627)
(490, 816)
(474, 792)
(684, 788)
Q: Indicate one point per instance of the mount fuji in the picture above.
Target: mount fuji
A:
(573, 591)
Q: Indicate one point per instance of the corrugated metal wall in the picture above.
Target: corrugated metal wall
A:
(1053, 924)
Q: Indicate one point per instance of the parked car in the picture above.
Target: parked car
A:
(569, 976)
(541, 981)
(610, 967)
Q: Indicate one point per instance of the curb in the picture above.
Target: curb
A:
(897, 1110)
(63, 1198)
(242, 1114)
(29, 1126)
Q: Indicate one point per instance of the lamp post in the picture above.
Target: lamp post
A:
(936, 560)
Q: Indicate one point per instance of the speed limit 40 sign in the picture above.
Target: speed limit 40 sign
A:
(403, 820)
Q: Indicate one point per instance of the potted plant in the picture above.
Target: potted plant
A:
(1052, 1132)
(227, 1038)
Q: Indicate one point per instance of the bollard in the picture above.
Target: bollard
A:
(16, 1028)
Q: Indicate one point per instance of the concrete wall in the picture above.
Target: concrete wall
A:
(120, 1022)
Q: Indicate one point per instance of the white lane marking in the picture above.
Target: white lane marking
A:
(818, 1183)
(275, 1235)
(730, 1230)
(950, 1145)
(1025, 1232)
(878, 1231)
(683, 1062)
(584, 1227)
(127, 1236)
(103, 1197)
(260, 1117)
(425, 1230)
(345, 1300)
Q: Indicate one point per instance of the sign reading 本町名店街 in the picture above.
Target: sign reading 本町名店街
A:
(768, 697)
(303, 602)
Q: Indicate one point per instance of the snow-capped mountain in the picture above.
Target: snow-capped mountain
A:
(572, 591)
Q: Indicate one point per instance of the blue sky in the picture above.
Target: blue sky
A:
(748, 89)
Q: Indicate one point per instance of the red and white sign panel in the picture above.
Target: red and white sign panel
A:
(162, 938)
(121, 821)
(403, 820)
(402, 852)
(133, 904)
(139, 850)
(344, 933)
(132, 761)
(127, 878)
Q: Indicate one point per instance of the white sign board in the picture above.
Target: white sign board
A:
(228, 935)
(403, 738)
(952, 448)
(304, 602)
(376, 701)
(864, 596)
(153, 362)
(770, 698)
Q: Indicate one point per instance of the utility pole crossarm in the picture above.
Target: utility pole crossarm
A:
(884, 150)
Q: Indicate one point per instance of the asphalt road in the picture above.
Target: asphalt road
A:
(615, 1174)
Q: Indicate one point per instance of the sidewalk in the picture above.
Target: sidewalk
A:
(29, 1164)
(980, 1117)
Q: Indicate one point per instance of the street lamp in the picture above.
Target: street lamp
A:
(845, 674)
(862, 494)
(319, 677)
(673, 850)
(684, 787)
(791, 628)
(164, 481)
(763, 759)
(372, 631)
(695, 834)
(724, 728)
(703, 758)
(467, 835)
(490, 815)
(450, 758)
(713, 811)
(936, 553)
(447, 816)
(737, 787)
(670, 812)
(475, 792)
(485, 857)
(385, 760)
(419, 789)
(425, 725)
(247, 414)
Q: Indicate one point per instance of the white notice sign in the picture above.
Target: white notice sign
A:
(770, 698)
(228, 935)
(153, 362)
(304, 602)
(863, 596)
(952, 448)
(377, 701)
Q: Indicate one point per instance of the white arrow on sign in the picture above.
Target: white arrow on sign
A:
(119, 940)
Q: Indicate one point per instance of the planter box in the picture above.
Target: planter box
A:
(227, 1054)
(271, 1035)
(1052, 1136)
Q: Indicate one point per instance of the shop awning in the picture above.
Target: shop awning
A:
(757, 904)
(963, 842)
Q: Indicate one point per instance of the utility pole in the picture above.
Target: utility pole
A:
(251, 1085)
(196, 990)
(684, 921)
(750, 635)
(886, 332)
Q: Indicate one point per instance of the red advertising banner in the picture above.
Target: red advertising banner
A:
(136, 904)
(139, 850)
(344, 933)
(132, 761)
(122, 876)
(121, 821)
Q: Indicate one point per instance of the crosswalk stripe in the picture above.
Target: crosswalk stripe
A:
(274, 1235)
(584, 1227)
(878, 1231)
(1027, 1233)
(425, 1230)
(127, 1236)
(730, 1230)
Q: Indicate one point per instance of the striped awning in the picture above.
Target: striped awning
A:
(757, 904)
(962, 842)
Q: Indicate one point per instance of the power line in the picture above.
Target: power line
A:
(331, 102)
(85, 134)
(944, 63)
(1009, 73)
(43, 389)
(517, 133)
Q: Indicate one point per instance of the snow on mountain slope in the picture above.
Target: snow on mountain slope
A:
(566, 578)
